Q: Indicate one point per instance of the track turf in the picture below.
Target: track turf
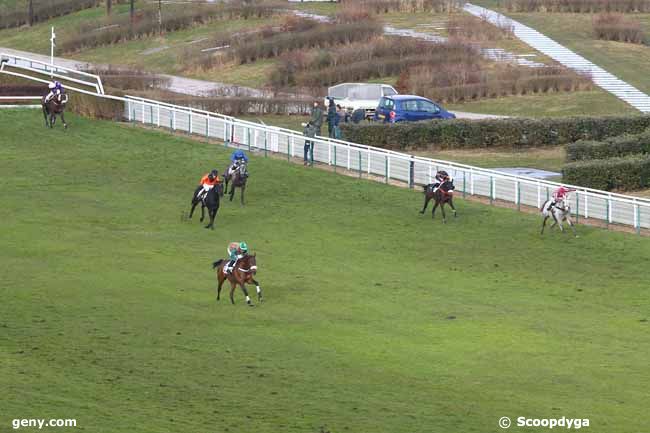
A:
(376, 319)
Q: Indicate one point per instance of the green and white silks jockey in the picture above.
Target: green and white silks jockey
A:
(236, 251)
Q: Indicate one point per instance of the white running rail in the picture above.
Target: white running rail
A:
(17, 65)
(388, 166)
(568, 58)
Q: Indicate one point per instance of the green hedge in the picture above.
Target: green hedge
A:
(628, 173)
(514, 132)
(610, 148)
(95, 107)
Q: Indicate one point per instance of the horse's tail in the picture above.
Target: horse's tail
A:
(217, 263)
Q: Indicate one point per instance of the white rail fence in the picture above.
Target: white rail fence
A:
(389, 166)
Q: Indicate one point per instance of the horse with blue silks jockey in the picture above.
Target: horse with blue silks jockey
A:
(236, 174)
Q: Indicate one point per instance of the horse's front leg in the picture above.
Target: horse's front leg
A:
(427, 199)
(573, 228)
(451, 203)
(65, 125)
(442, 209)
(232, 191)
(258, 288)
(243, 188)
(248, 298)
(212, 214)
(202, 212)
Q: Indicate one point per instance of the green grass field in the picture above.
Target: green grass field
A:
(376, 319)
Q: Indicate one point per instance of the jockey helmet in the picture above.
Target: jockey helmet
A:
(58, 85)
(243, 247)
(214, 172)
(51, 86)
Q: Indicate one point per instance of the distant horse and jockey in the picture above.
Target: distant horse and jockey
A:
(208, 194)
(441, 191)
(559, 209)
(53, 104)
(237, 174)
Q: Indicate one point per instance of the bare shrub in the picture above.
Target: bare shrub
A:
(455, 83)
(470, 28)
(129, 78)
(42, 11)
(119, 28)
(578, 6)
(611, 26)
(411, 6)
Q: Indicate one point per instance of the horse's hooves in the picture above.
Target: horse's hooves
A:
(421, 212)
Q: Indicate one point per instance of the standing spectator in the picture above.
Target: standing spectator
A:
(331, 118)
(317, 118)
(337, 120)
(344, 116)
(309, 131)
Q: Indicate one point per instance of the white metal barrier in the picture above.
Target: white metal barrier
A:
(12, 64)
(389, 166)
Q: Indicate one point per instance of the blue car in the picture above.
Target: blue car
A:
(409, 108)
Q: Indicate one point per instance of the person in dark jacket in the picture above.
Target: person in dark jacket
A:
(331, 118)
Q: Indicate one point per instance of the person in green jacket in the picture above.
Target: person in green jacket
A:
(312, 129)
(317, 117)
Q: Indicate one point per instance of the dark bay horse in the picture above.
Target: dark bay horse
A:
(237, 175)
(54, 107)
(242, 273)
(442, 195)
(211, 201)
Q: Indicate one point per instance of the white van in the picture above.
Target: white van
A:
(354, 96)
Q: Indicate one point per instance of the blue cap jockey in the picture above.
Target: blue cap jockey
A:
(237, 155)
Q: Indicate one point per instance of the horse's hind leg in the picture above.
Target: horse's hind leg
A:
(47, 123)
(433, 211)
(220, 279)
(544, 224)
(427, 199)
(258, 288)
(233, 285)
(194, 203)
